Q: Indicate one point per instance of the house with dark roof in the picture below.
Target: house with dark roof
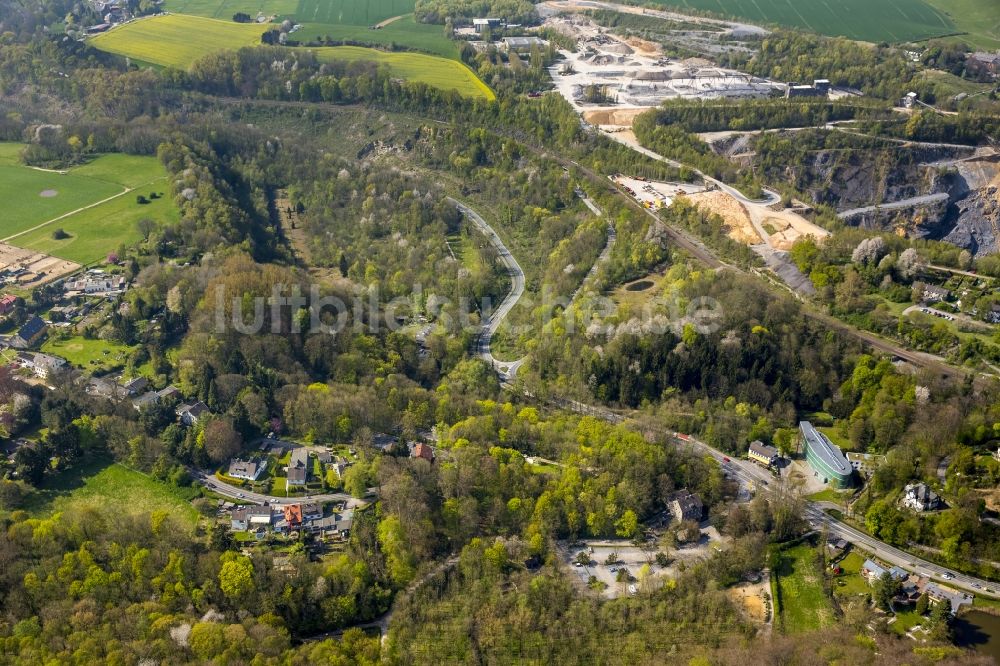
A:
(134, 386)
(686, 506)
(248, 470)
(311, 511)
(337, 524)
(298, 468)
(933, 293)
(920, 497)
(191, 414)
(148, 398)
(30, 334)
(762, 453)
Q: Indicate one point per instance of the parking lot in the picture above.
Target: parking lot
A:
(632, 558)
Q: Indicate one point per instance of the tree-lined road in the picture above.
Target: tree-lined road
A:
(493, 320)
(751, 474)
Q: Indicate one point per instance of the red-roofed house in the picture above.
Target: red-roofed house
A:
(293, 515)
(7, 303)
(423, 451)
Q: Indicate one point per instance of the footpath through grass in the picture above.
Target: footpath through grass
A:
(35, 198)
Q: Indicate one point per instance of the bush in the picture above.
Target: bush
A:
(59, 234)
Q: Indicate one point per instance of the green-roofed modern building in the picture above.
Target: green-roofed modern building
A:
(825, 457)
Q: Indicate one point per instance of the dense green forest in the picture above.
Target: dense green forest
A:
(463, 559)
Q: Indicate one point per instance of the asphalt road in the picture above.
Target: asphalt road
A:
(211, 482)
(495, 318)
(748, 473)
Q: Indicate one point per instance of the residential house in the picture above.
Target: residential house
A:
(836, 545)
(154, 397)
(191, 414)
(940, 593)
(324, 457)
(933, 293)
(7, 303)
(43, 365)
(298, 467)
(293, 516)
(340, 467)
(170, 392)
(686, 506)
(337, 523)
(311, 511)
(382, 441)
(422, 450)
(134, 386)
(871, 572)
(920, 497)
(981, 62)
(96, 284)
(248, 470)
(145, 400)
(763, 454)
(251, 517)
(30, 334)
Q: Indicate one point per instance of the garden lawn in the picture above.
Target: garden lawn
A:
(88, 354)
(804, 604)
(850, 582)
(906, 620)
(109, 214)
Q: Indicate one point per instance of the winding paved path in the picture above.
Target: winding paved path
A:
(491, 323)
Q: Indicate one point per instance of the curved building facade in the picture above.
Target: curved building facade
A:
(825, 457)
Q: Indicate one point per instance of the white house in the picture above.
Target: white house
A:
(920, 497)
